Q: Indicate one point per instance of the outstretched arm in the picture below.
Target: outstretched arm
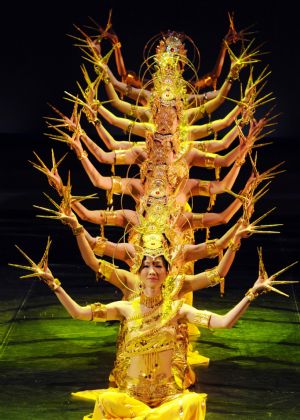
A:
(210, 248)
(137, 128)
(129, 156)
(195, 132)
(137, 111)
(97, 311)
(213, 320)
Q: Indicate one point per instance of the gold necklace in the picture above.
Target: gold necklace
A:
(150, 302)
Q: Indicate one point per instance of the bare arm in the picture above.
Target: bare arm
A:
(199, 131)
(216, 275)
(137, 128)
(213, 320)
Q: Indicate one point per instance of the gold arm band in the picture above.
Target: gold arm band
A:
(116, 185)
(202, 318)
(54, 285)
(109, 217)
(209, 161)
(204, 188)
(212, 248)
(100, 246)
(105, 270)
(214, 277)
(233, 246)
(99, 312)
(120, 156)
(202, 146)
(197, 220)
(78, 230)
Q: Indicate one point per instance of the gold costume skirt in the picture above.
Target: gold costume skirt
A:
(114, 404)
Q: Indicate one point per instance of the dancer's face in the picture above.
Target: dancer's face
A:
(153, 272)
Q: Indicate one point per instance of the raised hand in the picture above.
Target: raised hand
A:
(52, 174)
(266, 283)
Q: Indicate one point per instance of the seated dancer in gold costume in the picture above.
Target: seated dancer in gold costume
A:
(148, 371)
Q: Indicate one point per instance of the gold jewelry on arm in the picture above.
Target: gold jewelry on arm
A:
(210, 129)
(251, 295)
(106, 79)
(128, 90)
(133, 110)
(197, 220)
(105, 270)
(204, 188)
(116, 185)
(203, 110)
(83, 155)
(209, 160)
(239, 162)
(230, 79)
(100, 246)
(201, 145)
(116, 188)
(78, 230)
(234, 246)
(54, 285)
(213, 277)
(130, 127)
(212, 248)
(99, 312)
(202, 318)
(109, 217)
(97, 122)
(120, 156)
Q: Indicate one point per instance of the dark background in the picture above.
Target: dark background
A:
(40, 62)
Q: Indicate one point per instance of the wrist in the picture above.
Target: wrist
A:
(251, 294)
(77, 230)
(82, 155)
(234, 244)
(54, 284)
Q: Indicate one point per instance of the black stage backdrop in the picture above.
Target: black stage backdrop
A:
(39, 62)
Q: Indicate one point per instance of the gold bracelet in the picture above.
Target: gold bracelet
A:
(229, 79)
(239, 162)
(97, 122)
(54, 285)
(210, 129)
(233, 246)
(78, 230)
(106, 80)
(251, 295)
(128, 90)
(83, 155)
